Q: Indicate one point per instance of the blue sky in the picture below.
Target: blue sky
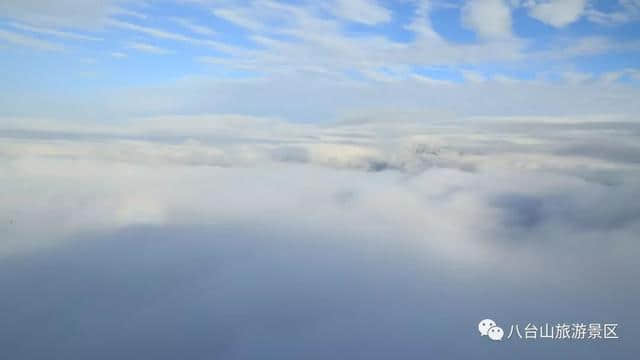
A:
(82, 50)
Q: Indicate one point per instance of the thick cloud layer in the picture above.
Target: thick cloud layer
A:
(367, 239)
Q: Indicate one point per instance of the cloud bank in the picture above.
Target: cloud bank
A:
(239, 237)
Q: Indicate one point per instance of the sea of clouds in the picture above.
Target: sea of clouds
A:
(387, 236)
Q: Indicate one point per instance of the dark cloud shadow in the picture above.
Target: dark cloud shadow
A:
(248, 292)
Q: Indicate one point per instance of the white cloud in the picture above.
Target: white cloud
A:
(330, 98)
(162, 34)
(593, 45)
(473, 76)
(470, 184)
(28, 41)
(577, 77)
(68, 13)
(118, 55)
(214, 253)
(557, 13)
(307, 40)
(126, 12)
(53, 32)
(299, 44)
(193, 27)
(611, 77)
(399, 205)
(380, 140)
(506, 80)
(148, 48)
(158, 33)
(490, 19)
(421, 22)
(431, 81)
(367, 12)
(237, 18)
(629, 10)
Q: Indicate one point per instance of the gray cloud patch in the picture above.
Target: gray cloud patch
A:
(520, 210)
(290, 154)
(238, 292)
(611, 152)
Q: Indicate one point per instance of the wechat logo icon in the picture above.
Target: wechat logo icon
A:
(488, 328)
